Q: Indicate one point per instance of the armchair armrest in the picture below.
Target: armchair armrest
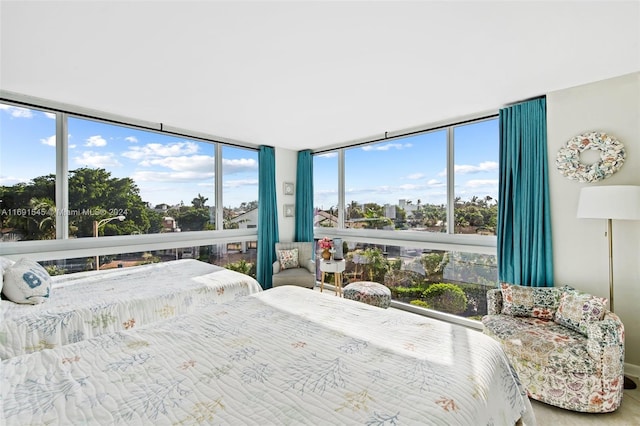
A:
(606, 344)
(311, 266)
(276, 267)
(494, 301)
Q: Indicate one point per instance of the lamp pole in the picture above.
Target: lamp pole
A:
(96, 226)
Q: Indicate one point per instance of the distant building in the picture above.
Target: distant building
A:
(169, 224)
(390, 211)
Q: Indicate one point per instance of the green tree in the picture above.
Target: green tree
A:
(375, 218)
(93, 195)
(96, 196)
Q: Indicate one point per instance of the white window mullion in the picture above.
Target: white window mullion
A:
(218, 188)
(341, 192)
(62, 177)
(451, 193)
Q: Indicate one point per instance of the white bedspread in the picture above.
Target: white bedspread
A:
(88, 304)
(286, 356)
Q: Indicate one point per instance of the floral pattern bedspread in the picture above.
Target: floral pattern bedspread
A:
(285, 356)
(89, 304)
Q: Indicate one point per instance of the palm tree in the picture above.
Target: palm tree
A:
(44, 217)
(199, 201)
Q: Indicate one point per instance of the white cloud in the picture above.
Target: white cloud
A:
(131, 139)
(435, 183)
(386, 147)
(16, 112)
(50, 115)
(96, 140)
(463, 169)
(152, 150)
(50, 141)
(95, 160)
(480, 183)
(238, 165)
(332, 154)
(415, 176)
(183, 176)
(409, 187)
(12, 180)
(229, 183)
(200, 163)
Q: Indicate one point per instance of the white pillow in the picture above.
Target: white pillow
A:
(4, 264)
(26, 281)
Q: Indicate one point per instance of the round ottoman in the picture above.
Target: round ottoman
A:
(368, 292)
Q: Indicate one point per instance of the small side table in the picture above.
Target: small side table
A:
(337, 268)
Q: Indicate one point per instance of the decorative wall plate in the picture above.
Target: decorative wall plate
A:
(612, 156)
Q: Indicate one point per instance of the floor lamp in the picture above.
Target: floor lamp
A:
(620, 202)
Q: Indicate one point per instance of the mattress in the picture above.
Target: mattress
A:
(88, 304)
(285, 356)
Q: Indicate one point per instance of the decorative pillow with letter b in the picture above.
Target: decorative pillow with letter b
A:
(26, 281)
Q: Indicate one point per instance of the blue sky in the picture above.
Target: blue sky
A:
(167, 169)
(413, 168)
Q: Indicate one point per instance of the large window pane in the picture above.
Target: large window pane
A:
(400, 184)
(325, 190)
(159, 183)
(240, 187)
(476, 177)
(240, 257)
(27, 174)
(446, 281)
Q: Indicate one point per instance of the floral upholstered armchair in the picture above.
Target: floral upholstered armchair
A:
(566, 347)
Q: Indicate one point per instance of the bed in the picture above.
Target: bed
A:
(285, 356)
(88, 304)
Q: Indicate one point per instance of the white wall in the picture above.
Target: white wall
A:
(286, 162)
(580, 246)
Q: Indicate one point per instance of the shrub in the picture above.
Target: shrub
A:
(55, 270)
(420, 303)
(243, 267)
(445, 297)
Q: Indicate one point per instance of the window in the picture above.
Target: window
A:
(325, 190)
(27, 174)
(476, 177)
(159, 183)
(449, 281)
(404, 184)
(419, 209)
(397, 185)
(66, 176)
(240, 187)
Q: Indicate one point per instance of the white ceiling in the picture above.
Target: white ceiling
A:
(307, 75)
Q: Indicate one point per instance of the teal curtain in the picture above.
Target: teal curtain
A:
(304, 197)
(525, 254)
(267, 216)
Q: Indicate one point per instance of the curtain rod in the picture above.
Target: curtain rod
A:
(386, 136)
(152, 127)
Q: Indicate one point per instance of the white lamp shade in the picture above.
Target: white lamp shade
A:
(621, 202)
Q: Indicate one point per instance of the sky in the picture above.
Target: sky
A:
(413, 168)
(167, 169)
